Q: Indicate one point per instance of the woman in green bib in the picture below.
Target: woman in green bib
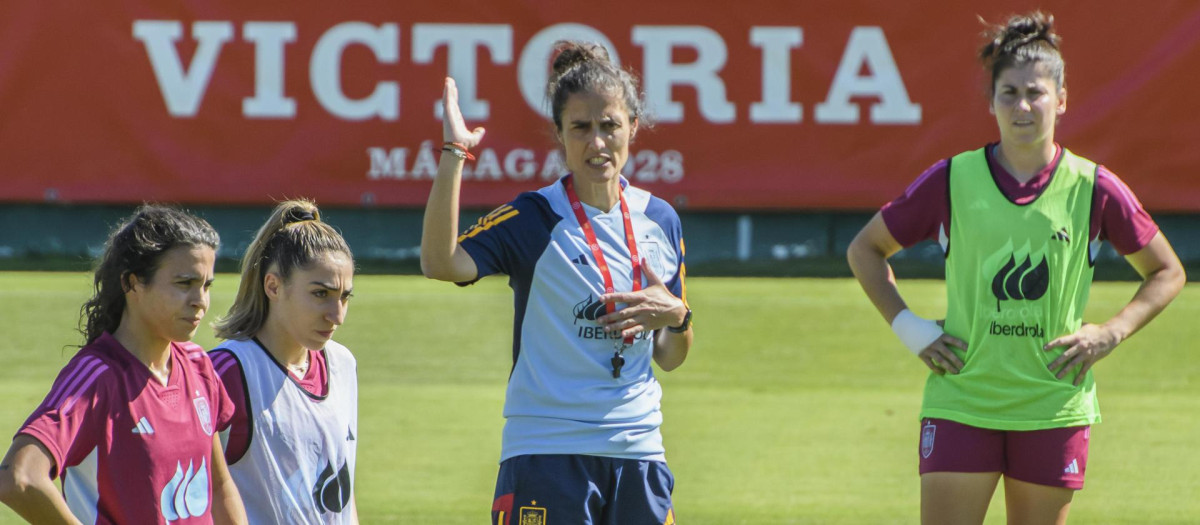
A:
(1011, 394)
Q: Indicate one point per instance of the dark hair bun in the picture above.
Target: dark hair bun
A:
(1018, 32)
(1024, 39)
(572, 53)
(299, 214)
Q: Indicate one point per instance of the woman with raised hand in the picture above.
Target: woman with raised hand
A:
(293, 440)
(596, 268)
(130, 424)
(1011, 392)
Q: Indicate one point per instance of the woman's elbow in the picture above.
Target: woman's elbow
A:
(427, 269)
(1181, 274)
(1171, 277)
(434, 270)
(669, 366)
(856, 254)
(670, 362)
(439, 273)
(1178, 280)
(14, 485)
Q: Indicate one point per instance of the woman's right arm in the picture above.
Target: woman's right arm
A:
(868, 255)
(441, 256)
(26, 485)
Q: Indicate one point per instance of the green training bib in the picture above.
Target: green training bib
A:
(1017, 276)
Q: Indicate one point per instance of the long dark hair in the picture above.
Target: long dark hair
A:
(291, 238)
(135, 249)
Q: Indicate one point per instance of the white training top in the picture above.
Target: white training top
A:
(562, 397)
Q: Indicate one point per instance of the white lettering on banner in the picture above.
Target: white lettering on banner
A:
(426, 166)
(460, 41)
(868, 47)
(777, 44)
(183, 89)
(554, 166)
(660, 74)
(487, 166)
(387, 163)
(518, 165)
(648, 166)
(325, 71)
(269, 39)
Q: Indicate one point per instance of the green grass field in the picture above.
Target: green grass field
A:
(797, 405)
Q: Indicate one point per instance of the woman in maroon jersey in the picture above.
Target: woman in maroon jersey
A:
(130, 424)
(1010, 394)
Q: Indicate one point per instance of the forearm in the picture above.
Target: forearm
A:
(26, 485)
(1162, 279)
(671, 349)
(227, 505)
(37, 501)
(439, 233)
(1157, 290)
(875, 275)
(227, 501)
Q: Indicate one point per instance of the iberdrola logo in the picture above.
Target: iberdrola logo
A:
(332, 491)
(1025, 275)
(588, 309)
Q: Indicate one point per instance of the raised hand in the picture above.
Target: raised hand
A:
(453, 127)
(650, 308)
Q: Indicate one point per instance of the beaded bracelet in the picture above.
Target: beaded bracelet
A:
(459, 150)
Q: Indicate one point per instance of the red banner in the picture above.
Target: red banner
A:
(780, 105)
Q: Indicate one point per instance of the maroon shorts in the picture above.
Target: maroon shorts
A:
(1056, 457)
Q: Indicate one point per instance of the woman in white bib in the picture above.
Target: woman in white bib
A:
(292, 443)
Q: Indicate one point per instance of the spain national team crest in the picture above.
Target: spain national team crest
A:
(927, 435)
(531, 516)
(203, 414)
(651, 251)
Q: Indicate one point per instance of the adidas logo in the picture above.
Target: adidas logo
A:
(349, 434)
(143, 427)
(1073, 468)
(581, 260)
(1061, 235)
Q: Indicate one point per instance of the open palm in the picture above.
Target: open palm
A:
(453, 127)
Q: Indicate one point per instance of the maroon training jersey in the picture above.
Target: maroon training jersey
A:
(923, 210)
(129, 449)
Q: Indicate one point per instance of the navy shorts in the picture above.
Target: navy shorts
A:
(543, 489)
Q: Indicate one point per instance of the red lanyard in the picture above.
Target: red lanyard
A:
(594, 245)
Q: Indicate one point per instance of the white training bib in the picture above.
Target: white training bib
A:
(299, 467)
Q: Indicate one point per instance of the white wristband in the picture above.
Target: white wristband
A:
(916, 333)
